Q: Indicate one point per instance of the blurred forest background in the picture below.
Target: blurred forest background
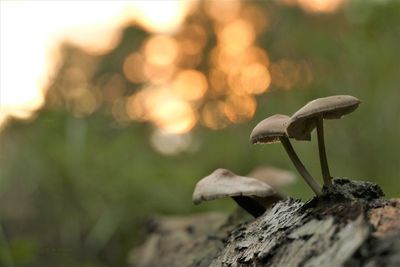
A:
(125, 135)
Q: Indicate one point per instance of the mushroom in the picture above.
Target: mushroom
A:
(275, 177)
(312, 114)
(273, 130)
(224, 183)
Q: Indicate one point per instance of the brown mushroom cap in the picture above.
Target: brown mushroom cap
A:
(275, 177)
(302, 122)
(224, 183)
(269, 130)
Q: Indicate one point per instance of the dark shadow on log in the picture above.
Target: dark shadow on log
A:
(250, 205)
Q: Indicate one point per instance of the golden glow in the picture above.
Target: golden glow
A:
(190, 85)
(161, 53)
(228, 62)
(193, 38)
(239, 69)
(158, 74)
(160, 106)
(173, 115)
(236, 36)
(250, 79)
(320, 6)
(158, 15)
(218, 82)
(255, 78)
(161, 50)
(223, 11)
(133, 68)
(316, 6)
(212, 115)
(239, 108)
(255, 55)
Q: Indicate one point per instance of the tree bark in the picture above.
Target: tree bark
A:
(350, 224)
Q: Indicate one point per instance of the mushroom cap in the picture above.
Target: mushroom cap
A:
(224, 183)
(302, 122)
(275, 177)
(269, 130)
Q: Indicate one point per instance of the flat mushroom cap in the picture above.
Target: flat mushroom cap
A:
(224, 183)
(302, 122)
(269, 130)
(275, 177)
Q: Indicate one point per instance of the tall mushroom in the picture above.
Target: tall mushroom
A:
(244, 190)
(312, 114)
(273, 130)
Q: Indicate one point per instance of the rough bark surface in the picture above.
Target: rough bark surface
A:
(350, 224)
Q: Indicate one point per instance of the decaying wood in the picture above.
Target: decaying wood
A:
(350, 224)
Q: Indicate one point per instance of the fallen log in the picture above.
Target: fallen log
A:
(350, 224)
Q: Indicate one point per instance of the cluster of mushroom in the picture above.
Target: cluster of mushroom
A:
(251, 193)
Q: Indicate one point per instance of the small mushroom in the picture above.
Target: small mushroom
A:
(224, 183)
(311, 115)
(273, 130)
(275, 177)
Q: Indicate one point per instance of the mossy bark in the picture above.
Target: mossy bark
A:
(350, 224)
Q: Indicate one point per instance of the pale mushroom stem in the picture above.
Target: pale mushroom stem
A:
(250, 205)
(315, 186)
(322, 153)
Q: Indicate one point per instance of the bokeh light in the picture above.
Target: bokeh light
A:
(316, 6)
(213, 116)
(167, 79)
(161, 50)
(190, 85)
(50, 24)
(320, 6)
(172, 114)
(133, 68)
(192, 38)
(236, 36)
(239, 108)
(223, 11)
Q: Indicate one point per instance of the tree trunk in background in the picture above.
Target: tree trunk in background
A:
(350, 224)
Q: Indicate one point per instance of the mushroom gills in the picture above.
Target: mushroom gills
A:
(250, 205)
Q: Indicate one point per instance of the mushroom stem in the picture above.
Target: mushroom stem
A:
(322, 153)
(315, 186)
(250, 205)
